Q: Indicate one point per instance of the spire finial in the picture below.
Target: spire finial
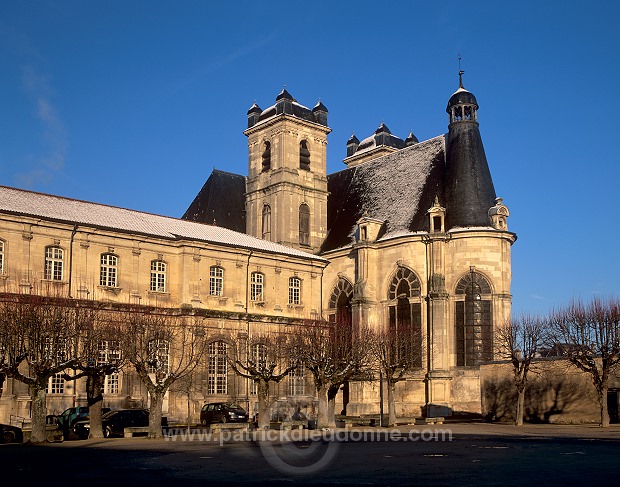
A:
(461, 72)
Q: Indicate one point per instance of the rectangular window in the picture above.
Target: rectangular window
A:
(294, 290)
(256, 286)
(53, 264)
(259, 357)
(158, 357)
(217, 382)
(56, 384)
(1, 258)
(216, 281)
(108, 272)
(111, 385)
(109, 352)
(297, 381)
(158, 276)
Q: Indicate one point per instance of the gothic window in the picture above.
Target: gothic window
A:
(340, 302)
(108, 270)
(53, 263)
(304, 224)
(294, 290)
(405, 315)
(473, 320)
(216, 281)
(304, 156)
(266, 156)
(267, 222)
(158, 276)
(158, 357)
(217, 379)
(256, 286)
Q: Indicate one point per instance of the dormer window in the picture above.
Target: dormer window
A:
(304, 156)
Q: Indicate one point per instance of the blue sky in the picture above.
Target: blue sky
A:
(133, 103)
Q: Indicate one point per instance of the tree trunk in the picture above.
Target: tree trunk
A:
(520, 405)
(38, 412)
(391, 393)
(262, 391)
(332, 392)
(94, 393)
(157, 401)
(602, 399)
(323, 416)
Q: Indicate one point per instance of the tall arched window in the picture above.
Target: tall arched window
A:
(266, 156)
(266, 222)
(53, 263)
(304, 156)
(217, 379)
(473, 320)
(304, 224)
(405, 314)
(340, 302)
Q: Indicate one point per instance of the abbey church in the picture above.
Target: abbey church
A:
(410, 234)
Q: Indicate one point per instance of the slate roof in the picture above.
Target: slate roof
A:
(398, 188)
(221, 187)
(57, 208)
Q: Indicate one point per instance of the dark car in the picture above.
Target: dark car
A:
(11, 434)
(222, 412)
(72, 415)
(114, 422)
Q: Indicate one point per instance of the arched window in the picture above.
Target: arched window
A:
(405, 315)
(304, 224)
(158, 276)
(266, 156)
(266, 222)
(53, 263)
(108, 270)
(257, 281)
(304, 156)
(294, 290)
(340, 302)
(216, 281)
(473, 320)
(217, 378)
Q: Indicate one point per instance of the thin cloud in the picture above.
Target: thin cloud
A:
(47, 166)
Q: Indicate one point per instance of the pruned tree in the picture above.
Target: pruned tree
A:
(163, 348)
(398, 352)
(334, 353)
(98, 355)
(520, 341)
(39, 342)
(588, 335)
(264, 359)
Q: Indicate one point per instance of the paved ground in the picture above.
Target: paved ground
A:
(450, 454)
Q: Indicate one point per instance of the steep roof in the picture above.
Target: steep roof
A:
(397, 188)
(220, 187)
(57, 208)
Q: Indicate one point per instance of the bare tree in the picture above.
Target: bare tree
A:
(264, 359)
(98, 356)
(163, 348)
(520, 341)
(334, 353)
(398, 352)
(588, 335)
(39, 342)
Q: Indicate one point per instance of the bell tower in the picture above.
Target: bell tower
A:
(286, 190)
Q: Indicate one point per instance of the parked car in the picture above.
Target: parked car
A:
(11, 434)
(114, 422)
(222, 412)
(71, 415)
